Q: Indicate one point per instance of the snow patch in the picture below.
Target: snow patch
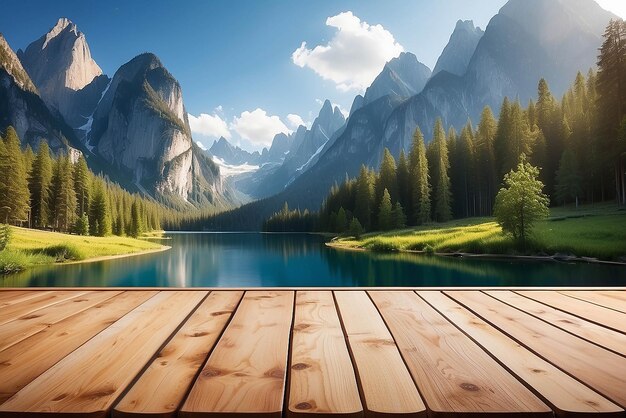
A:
(229, 170)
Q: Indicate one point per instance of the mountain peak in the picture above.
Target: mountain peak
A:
(456, 55)
(60, 26)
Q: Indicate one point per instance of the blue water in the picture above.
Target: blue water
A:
(254, 259)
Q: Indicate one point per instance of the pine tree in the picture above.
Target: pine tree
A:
(398, 218)
(14, 193)
(99, 216)
(342, 221)
(486, 172)
(135, 221)
(387, 178)
(63, 194)
(356, 229)
(82, 225)
(362, 205)
(501, 139)
(385, 221)
(419, 185)
(466, 170)
(404, 194)
(568, 179)
(40, 187)
(82, 184)
(442, 210)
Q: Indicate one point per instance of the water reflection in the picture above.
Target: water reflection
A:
(242, 260)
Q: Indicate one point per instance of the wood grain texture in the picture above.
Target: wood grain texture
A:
(590, 331)
(586, 310)
(613, 300)
(40, 301)
(387, 387)
(161, 388)
(23, 362)
(601, 369)
(454, 375)
(246, 371)
(322, 380)
(88, 380)
(567, 396)
(11, 297)
(24, 326)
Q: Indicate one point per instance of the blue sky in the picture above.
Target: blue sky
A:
(234, 59)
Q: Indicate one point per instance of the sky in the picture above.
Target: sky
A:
(249, 68)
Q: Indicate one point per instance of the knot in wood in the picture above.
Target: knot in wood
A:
(470, 387)
(300, 366)
(304, 405)
(211, 373)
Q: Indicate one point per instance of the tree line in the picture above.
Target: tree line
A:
(44, 191)
(578, 143)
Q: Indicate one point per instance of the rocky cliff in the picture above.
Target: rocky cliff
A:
(457, 53)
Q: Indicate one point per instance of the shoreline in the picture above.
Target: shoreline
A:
(551, 258)
(111, 257)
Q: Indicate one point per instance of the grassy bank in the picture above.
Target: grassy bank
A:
(30, 247)
(598, 232)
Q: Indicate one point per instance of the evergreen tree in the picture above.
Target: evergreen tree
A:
(387, 176)
(398, 218)
(568, 179)
(82, 185)
(40, 187)
(135, 219)
(404, 193)
(441, 181)
(342, 221)
(362, 205)
(63, 194)
(99, 216)
(29, 157)
(82, 225)
(385, 221)
(14, 193)
(356, 229)
(501, 139)
(486, 172)
(419, 185)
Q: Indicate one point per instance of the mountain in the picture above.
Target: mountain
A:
(525, 41)
(141, 128)
(457, 53)
(403, 77)
(233, 155)
(307, 146)
(22, 107)
(66, 76)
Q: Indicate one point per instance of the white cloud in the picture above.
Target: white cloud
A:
(258, 127)
(209, 125)
(201, 145)
(295, 120)
(354, 56)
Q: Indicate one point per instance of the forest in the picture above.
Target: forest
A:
(577, 142)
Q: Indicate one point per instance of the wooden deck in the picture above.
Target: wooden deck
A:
(270, 353)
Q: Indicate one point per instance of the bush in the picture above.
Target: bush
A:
(13, 262)
(5, 236)
(383, 246)
(63, 252)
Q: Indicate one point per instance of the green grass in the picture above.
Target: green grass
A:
(30, 247)
(598, 232)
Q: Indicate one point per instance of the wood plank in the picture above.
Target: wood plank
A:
(23, 362)
(566, 395)
(601, 369)
(608, 300)
(162, 387)
(387, 386)
(589, 311)
(245, 372)
(322, 380)
(454, 375)
(23, 327)
(43, 300)
(590, 331)
(10, 297)
(90, 379)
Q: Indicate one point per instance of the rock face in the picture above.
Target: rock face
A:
(525, 41)
(140, 127)
(22, 108)
(233, 155)
(306, 146)
(460, 48)
(67, 77)
(403, 77)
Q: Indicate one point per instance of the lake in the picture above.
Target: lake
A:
(255, 259)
